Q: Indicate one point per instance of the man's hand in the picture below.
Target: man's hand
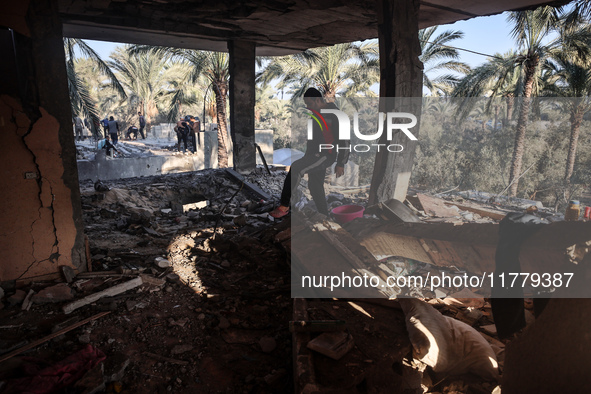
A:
(339, 171)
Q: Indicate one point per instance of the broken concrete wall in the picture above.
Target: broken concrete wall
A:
(120, 168)
(206, 157)
(40, 209)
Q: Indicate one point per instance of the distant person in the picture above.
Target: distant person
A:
(106, 144)
(114, 130)
(315, 162)
(195, 127)
(142, 121)
(78, 126)
(131, 130)
(105, 124)
(87, 125)
(182, 133)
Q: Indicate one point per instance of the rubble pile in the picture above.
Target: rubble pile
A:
(188, 291)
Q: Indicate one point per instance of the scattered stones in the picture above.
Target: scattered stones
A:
(161, 262)
(180, 349)
(108, 214)
(179, 322)
(132, 304)
(173, 278)
(84, 338)
(240, 220)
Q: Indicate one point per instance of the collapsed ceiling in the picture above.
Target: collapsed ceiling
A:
(278, 27)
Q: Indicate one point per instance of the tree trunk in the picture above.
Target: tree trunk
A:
(496, 117)
(510, 102)
(519, 146)
(221, 91)
(576, 117)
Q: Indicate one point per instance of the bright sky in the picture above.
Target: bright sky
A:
(489, 35)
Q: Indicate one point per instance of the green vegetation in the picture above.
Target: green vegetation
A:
(481, 128)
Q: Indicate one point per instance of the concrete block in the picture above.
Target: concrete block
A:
(58, 293)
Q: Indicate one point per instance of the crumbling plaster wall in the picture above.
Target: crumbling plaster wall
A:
(41, 213)
(38, 232)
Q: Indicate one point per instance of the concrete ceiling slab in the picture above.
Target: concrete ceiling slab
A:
(278, 27)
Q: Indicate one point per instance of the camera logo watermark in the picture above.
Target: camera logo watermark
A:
(344, 127)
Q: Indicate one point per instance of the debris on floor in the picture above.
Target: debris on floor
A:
(189, 298)
(188, 290)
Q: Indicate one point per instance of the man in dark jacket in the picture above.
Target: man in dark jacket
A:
(105, 124)
(131, 130)
(315, 161)
(182, 130)
(114, 130)
(142, 121)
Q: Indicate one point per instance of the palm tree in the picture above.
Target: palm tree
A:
(571, 78)
(580, 13)
(346, 69)
(214, 67)
(437, 56)
(80, 96)
(497, 77)
(148, 77)
(530, 30)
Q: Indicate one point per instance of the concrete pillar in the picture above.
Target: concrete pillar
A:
(39, 188)
(242, 101)
(401, 78)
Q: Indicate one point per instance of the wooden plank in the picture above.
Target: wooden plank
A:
(51, 336)
(27, 302)
(111, 291)
(382, 245)
(436, 207)
(166, 359)
(249, 186)
(482, 211)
